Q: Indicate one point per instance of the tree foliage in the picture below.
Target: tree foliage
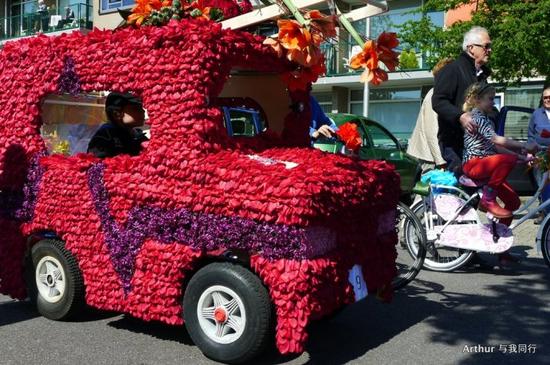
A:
(408, 60)
(519, 29)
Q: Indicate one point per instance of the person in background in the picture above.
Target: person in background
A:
(539, 132)
(69, 16)
(119, 135)
(44, 15)
(423, 143)
(449, 89)
(321, 125)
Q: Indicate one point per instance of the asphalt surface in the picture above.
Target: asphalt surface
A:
(429, 322)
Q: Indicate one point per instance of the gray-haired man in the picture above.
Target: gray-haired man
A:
(450, 85)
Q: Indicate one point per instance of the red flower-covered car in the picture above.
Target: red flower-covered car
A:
(236, 238)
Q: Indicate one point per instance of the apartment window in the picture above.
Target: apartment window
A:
(395, 109)
(325, 101)
(111, 6)
(399, 13)
(356, 102)
(25, 19)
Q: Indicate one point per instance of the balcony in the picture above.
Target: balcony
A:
(55, 20)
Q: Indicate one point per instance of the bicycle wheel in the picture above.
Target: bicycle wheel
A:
(438, 257)
(545, 243)
(409, 229)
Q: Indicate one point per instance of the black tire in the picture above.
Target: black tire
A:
(408, 228)
(545, 243)
(235, 346)
(60, 295)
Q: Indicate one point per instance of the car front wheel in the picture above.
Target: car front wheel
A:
(54, 280)
(227, 312)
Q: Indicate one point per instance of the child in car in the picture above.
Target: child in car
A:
(119, 135)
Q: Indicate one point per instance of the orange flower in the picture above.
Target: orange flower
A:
(201, 6)
(143, 10)
(275, 44)
(348, 133)
(298, 42)
(386, 41)
(367, 58)
(322, 26)
(372, 53)
(375, 77)
(300, 78)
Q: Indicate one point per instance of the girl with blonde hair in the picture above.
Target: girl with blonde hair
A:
(488, 156)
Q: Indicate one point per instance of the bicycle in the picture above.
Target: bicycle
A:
(410, 236)
(455, 230)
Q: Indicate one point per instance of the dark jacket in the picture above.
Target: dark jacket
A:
(111, 140)
(449, 89)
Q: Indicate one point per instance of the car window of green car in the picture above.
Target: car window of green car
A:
(380, 138)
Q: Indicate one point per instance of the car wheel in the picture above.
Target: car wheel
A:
(54, 280)
(227, 312)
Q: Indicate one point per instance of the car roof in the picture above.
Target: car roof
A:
(341, 118)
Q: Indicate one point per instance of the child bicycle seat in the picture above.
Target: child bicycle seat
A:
(471, 183)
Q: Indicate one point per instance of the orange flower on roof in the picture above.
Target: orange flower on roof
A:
(300, 78)
(322, 26)
(367, 58)
(298, 42)
(373, 53)
(201, 7)
(375, 77)
(275, 44)
(143, 10)
(386, 41)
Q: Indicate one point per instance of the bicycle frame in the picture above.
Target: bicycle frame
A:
(468, 198)
(525, 207)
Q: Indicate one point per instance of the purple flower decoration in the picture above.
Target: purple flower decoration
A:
(19, 204)
(69, 81)
(199, 231)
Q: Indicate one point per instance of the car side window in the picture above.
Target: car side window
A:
(365, 141)
(242, 122)
(380, 138)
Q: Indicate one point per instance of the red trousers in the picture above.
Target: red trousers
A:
(495, 168)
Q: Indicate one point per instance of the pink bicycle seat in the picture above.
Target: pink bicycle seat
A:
(466, 181)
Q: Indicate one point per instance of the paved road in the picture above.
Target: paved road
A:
(429, 322)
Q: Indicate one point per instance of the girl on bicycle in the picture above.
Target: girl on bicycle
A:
(488, 156)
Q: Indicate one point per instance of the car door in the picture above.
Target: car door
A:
(382, 145)
(513, 122)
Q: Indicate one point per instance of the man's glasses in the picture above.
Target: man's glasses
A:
(546, 97)
(485, 47)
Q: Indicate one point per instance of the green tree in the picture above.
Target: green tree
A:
(519, 29)
(408, 60)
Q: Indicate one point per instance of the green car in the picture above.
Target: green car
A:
(378, 144)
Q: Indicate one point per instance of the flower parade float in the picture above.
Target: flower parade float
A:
(238, 238)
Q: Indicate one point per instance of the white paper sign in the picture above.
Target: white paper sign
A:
(358, 283)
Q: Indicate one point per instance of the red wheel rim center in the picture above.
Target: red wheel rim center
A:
(220, 315)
